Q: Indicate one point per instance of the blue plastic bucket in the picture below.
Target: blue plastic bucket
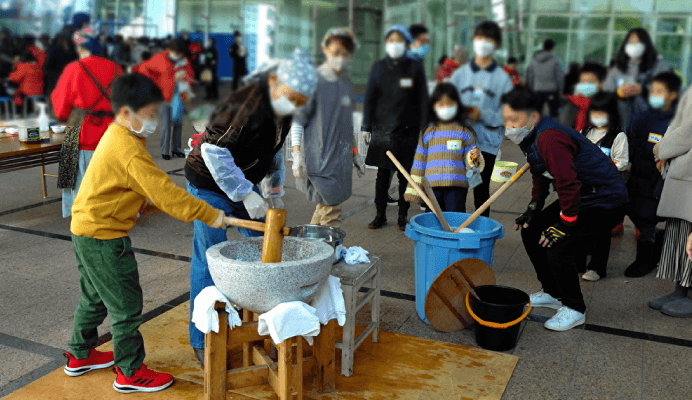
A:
(436, 249)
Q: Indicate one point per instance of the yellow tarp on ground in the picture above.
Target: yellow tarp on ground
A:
(398, 367)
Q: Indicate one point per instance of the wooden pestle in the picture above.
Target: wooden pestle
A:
(274, 232)
(420, 191)
(492, 198)
(254, 225)
(273, 236)
(436, 206)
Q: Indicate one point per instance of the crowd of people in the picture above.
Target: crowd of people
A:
(610, 141)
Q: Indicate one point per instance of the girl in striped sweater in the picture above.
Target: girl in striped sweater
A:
(445, 151)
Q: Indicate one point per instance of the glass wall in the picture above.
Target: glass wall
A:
(593, 30)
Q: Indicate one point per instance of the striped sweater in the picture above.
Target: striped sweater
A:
(442, 156)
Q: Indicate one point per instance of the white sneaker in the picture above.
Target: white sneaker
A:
(591, 275)
(543, 299)
(565, 319)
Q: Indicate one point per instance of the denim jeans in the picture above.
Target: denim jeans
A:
(205, 237)
(168, 129)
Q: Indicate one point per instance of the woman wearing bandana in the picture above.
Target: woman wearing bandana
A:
(237, 152)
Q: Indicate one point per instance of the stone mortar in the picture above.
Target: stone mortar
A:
(239, 274)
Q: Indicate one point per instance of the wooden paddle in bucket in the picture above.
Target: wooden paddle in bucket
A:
(492, 198)
(421, 193)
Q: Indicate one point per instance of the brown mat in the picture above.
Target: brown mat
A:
(398, 367)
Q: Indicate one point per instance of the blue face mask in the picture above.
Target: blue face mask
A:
(657, 102)
(586, 89)
(420, 51)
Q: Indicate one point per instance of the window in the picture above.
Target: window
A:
(671, 25)
(552, 22)
(550, 5)
(643, 6)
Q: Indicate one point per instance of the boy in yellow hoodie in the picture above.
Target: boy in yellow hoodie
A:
(122, 179)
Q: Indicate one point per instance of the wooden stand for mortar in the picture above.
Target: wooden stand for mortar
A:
(285, 375)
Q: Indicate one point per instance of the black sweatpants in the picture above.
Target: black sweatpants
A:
(481, 193)
(382, 183)
(553, 101)
(556, 267)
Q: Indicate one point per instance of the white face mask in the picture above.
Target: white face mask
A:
(338, 64)
(517, 135)
(148, 126)
(599, 122)
(446, 113)
(634, 50)
(283, 107)
(395, 50)
(483, 48)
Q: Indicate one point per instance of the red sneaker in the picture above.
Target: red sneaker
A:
(96, 360)
(143, 380)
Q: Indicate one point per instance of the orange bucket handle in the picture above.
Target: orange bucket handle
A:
(495, 324)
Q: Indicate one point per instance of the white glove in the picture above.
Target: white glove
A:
(276, 202)
(300, 170)
(255, 205)
(366, 138)
(219, 222)
(360, 164)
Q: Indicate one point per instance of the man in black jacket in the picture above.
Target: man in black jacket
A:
(238, 54)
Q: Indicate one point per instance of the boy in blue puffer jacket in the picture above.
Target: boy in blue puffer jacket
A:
(644, 132)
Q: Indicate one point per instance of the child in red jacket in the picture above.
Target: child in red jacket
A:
(29, 76)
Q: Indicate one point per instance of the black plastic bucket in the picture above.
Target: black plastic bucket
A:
(498, 314)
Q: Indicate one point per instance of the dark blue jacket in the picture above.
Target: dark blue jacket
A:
(642, 135)
(601, 184)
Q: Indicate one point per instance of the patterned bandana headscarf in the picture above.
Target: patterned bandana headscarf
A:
(296, 71)
(401, 29)
(341, 31)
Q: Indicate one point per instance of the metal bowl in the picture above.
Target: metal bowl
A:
(332, 236)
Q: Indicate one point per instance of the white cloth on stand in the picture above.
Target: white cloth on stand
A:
(355, 255)
(296, 318)
(289, 320)
(329, 302)
(205, 317)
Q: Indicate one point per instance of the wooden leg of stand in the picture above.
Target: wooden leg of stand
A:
(297, 369)
(325, 363)
(215, 361)
(284, 350)
(247, 346)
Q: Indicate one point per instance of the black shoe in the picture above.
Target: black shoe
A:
(199, 354)
(642, 265)
(165, 157)
(378, 222)
(179, 154)
(391, 201)
(402, 221)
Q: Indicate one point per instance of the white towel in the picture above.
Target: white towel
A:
(205, 317)
(355, 255)
(289, 320)
(329, 302)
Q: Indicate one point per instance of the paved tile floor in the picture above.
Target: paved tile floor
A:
(626, 350)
